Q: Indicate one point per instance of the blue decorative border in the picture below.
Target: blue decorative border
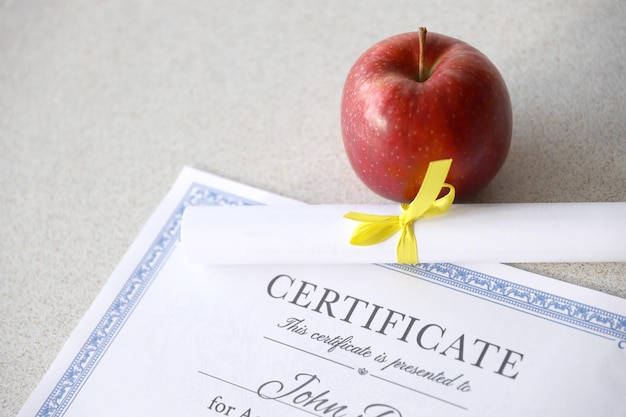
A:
(530, 300)
(124, 303)
(550, 306)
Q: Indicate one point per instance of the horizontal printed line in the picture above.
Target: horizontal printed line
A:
(227, 382)
(255, 392)
(307, 352)
(420, 392)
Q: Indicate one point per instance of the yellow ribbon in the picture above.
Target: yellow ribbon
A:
(375, 228)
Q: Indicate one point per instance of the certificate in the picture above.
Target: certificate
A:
(169, 337)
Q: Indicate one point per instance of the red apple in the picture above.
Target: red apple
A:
(412, 99)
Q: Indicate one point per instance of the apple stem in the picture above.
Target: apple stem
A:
(420, 64)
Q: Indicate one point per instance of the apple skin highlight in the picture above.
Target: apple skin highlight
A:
(393, 124)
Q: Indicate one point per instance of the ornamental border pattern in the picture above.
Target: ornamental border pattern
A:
(527, 299)
(122, 306)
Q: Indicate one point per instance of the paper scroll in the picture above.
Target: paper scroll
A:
(313, 234)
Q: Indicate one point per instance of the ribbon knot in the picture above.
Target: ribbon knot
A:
(375, 228)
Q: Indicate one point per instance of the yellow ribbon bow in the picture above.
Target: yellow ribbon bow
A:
(376, 228)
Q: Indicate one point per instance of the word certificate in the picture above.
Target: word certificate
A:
(167, 337)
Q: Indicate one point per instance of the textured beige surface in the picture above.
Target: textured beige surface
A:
(103, 102)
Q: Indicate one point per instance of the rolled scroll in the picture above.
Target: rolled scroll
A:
(313, 234)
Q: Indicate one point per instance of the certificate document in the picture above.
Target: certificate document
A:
(167, 337)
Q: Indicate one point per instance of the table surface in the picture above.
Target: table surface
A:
(103, 102)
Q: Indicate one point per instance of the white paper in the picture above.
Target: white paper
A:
(319, 234)
(167, 337)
